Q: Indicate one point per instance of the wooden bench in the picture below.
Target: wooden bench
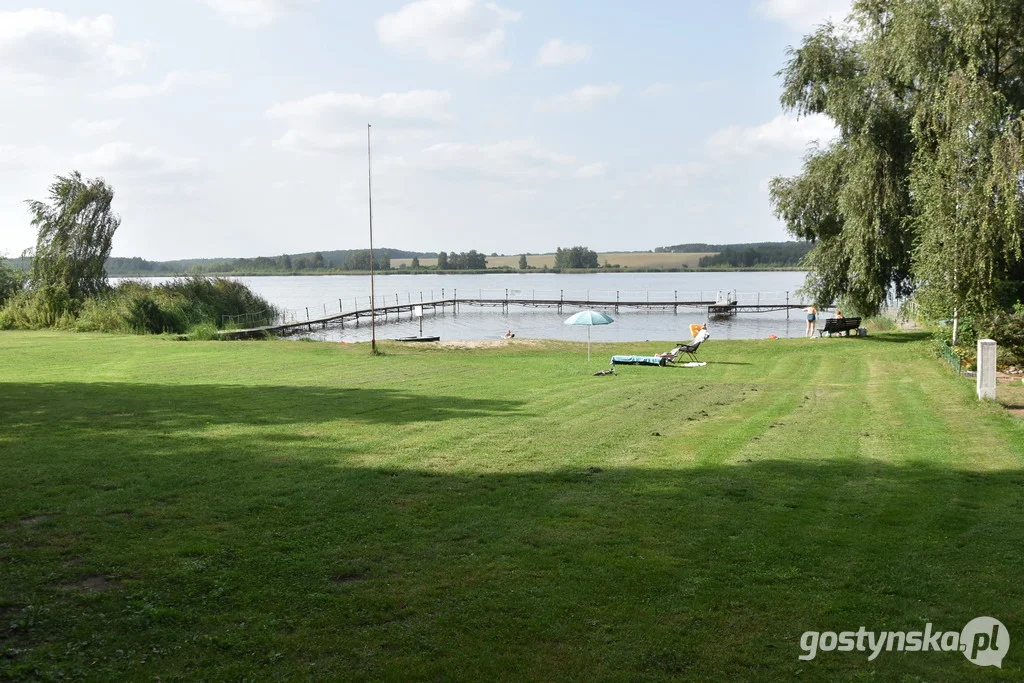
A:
(834, 326)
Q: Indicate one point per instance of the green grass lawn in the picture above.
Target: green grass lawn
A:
(263, 510)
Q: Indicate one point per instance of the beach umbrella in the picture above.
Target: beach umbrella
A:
(589, 318)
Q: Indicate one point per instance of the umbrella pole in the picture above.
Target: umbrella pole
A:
(588, 343)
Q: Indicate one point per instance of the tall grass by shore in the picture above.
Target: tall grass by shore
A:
(139, 307)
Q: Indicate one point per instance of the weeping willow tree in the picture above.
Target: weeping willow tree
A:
(923, 190)
(76, 232)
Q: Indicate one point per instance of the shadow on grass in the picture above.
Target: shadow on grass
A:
(166, 406)
(682, 365)
(242, 559)
(896, 337)
(706, 574)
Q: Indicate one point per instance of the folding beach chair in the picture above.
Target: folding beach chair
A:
(690, 350)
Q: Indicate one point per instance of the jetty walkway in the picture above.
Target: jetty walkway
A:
(386, 311)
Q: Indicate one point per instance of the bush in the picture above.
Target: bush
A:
(1008, 331)
(12, 282)
(130, 307)
(38, 309)
(209, 300)
(967, 335)
(145, 315)
(140, 307)
(879, 323)
(102, 313)
(204, 332)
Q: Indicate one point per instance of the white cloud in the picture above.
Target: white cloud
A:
(594, 170)
(39, 44)
(22, 158)
(314, 141)
(803, 15)
(256, 13)
(469, 32)
(331, 107)
(692, 87)
(502, 192)
(170, 82)
(90, 128)
(580, 99)
(127, 160)
(294, 140)
(785, 132)
(124, 60)
(333, 122)
(677, 174)
(658, 90)
(557, 53)
(510, 158)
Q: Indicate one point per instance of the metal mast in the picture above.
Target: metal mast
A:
(369, 185)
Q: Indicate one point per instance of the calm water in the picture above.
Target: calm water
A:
(322, 294)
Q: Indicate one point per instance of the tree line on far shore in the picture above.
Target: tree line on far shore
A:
(754, 255)
(346, 259)
(765, 255)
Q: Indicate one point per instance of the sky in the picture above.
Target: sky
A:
(239, 127)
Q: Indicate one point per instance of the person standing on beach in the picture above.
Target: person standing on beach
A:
(812, 315)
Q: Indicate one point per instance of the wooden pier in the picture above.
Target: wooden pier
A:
(384, 313)
(394, 312)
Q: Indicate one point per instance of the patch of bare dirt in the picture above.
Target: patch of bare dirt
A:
(93, 584)
(27, 522)
(488, 344)
(34, 519)
(348, 578)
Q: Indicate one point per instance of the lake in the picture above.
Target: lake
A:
(326, 293)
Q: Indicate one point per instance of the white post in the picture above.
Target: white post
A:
(986, 369)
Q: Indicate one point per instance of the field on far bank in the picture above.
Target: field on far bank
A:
(278, 510)
(624, 259)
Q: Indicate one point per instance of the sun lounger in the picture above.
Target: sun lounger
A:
(638, 360)
(662, 359)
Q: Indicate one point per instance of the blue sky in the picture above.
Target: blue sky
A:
(237, 127)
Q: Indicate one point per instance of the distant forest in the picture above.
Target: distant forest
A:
(344, 259)
(754, 255)
(758, 254)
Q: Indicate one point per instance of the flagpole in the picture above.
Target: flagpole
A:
(369, 186)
